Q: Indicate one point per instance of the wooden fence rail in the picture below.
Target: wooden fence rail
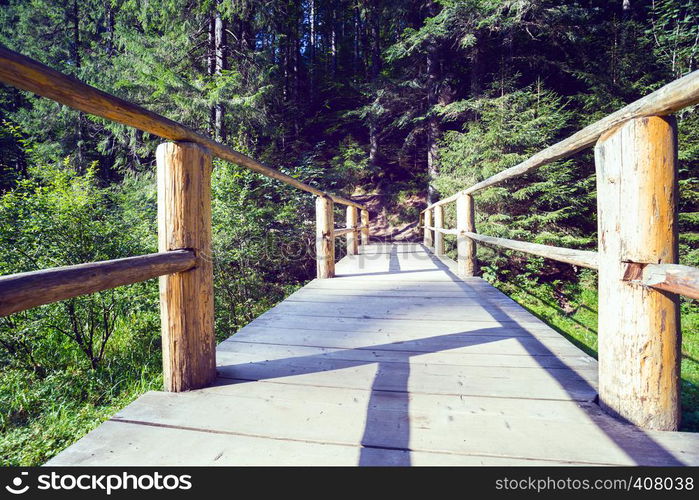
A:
(354, 232)
(26, 290)
(683, 280)
(639, 335)
(28, 74)
(184, 263)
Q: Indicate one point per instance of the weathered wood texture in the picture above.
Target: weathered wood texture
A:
(427, 236)
(352, 222)
(186, 298)
(342, 232)
(438, 227)
(28, 74)
(365, 226)
(442, 230)
(583, 258)
(305, 385)
(664, 101)
(325, 238)
(675, 278)
(465, 246)
(26, 290)
(639, 336)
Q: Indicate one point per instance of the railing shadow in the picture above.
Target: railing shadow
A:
(390, 428)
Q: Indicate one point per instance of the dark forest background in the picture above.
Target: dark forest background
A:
(396, 103)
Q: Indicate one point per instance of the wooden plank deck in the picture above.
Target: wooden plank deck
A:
(394, 362)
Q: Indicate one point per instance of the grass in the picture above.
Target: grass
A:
(572, 310)
(41, 414)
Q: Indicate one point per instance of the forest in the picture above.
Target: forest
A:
(397, 104)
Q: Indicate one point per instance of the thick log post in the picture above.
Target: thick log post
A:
(365, 227)
(353, 237)
(325, 238)
(438, 236)
(639, 334)
(186, 298)
(427, 240)
(465, 246)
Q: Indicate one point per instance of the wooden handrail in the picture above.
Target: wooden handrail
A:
(664, 101)
(21, 291)
(675, 278)
(184, 220)
(344, 231)
(27, 74)
(442, 230)
(583, 258)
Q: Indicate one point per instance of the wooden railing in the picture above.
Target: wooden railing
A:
(183, 262)
(326, 234)
(639, 335)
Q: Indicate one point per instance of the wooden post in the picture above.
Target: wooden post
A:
(465, 246)
(186, 298)
(325, 238)
(639, 334)
(428, 232)
(439, 237)
(365, 227)
(353, 237)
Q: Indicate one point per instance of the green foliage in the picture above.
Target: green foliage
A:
(353, 99)
(351, 164)
(675, 31)
(261, 245)
(59, 217)
(551, 206)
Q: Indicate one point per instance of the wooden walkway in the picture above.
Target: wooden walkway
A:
(394, 362)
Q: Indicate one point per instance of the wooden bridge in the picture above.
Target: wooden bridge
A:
(397, 355)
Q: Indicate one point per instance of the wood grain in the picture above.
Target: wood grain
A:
(438, 227)
(365, 226)
(465, 246)
(582, 258)
(26, 290)
(442, 230)
(675, 278)
(352, 223)
(317, 388)
(325, 238)
(427, 236)
(342, 232)
(639, 337)
(186, 298)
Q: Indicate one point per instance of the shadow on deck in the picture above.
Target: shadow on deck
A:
(396, 361)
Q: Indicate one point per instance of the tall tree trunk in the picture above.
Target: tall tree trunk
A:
(312, 41)
(211, 66)
(433, 128)
(374, 49)
(433, 125)
(210, 52)
(110, 29)
(476, 68)
(357, 34)
(220, 64)
(375, 41)
(78, 64)
(333, 42)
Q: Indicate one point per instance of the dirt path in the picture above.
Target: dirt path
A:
(387, 225)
